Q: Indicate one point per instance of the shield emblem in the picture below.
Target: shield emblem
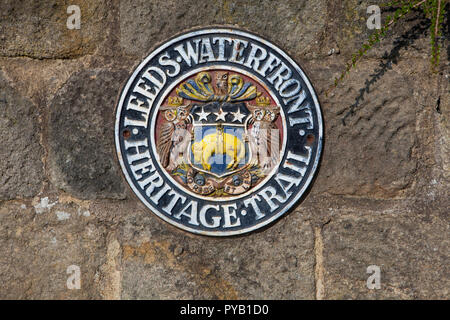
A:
(219, 145)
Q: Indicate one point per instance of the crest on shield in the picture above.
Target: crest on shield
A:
(213, 144)
(219, 146)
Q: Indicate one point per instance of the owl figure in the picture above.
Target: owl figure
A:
(222, 83)
(174, 138)
(264, 137)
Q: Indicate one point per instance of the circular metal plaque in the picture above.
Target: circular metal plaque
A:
(218, 132)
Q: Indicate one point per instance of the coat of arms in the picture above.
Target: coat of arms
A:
(219, 134)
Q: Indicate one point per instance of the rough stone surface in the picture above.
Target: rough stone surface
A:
(165, 263)
(38, 29)
(139, 33)
(81, 135)
(39, 79)
(287, 18)
(298, 24)
(346, 30)
(21, 165)
(37, 249)
(411, 253)
(381, 196)
(370, 132)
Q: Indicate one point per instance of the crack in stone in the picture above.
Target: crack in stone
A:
(318, 268)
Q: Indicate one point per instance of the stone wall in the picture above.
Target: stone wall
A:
(381, 196)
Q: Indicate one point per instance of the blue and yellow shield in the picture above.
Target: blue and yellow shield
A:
(219, 145)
